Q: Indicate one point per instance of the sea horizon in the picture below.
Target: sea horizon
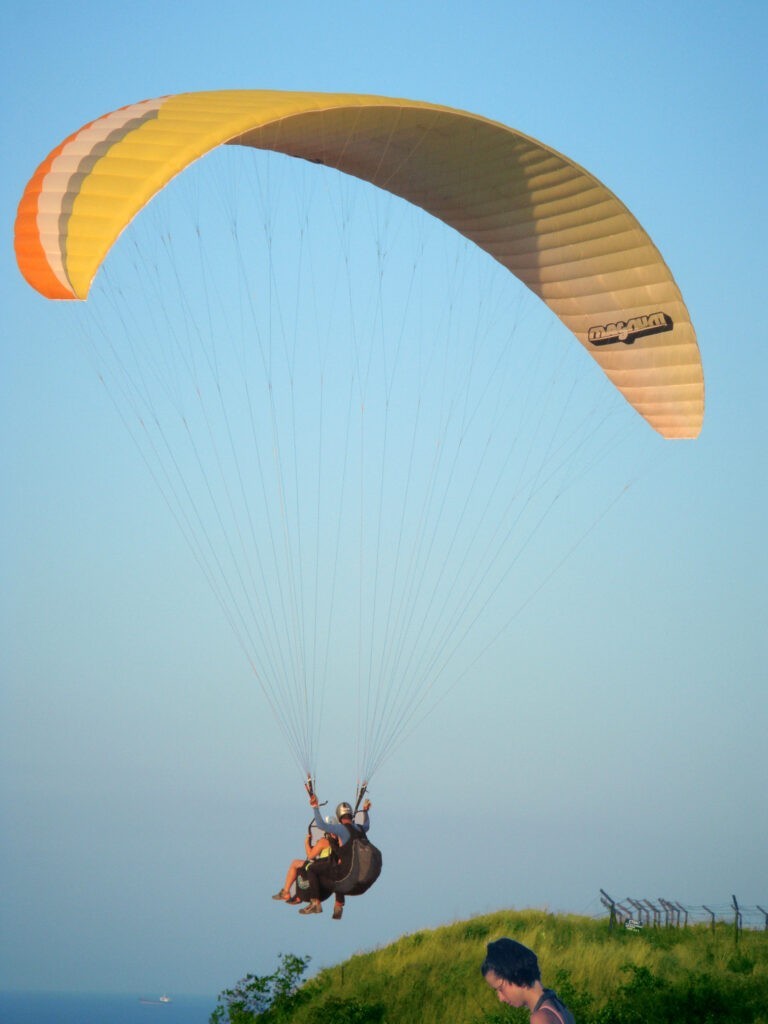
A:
(38, 1007)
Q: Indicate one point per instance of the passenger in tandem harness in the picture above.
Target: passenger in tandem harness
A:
(314, 849)
(352, 867)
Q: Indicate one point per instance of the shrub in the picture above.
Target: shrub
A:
(267, 999)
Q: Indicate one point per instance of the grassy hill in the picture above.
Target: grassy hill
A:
(605, 976)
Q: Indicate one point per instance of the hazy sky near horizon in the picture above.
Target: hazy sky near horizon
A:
(614, 739)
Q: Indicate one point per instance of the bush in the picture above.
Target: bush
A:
(268, 999)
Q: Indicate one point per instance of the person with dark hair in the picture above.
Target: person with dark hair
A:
(512, 971)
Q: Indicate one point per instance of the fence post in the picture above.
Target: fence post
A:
(606, 900)
(665, 907)
(642, 912)
(623, 914)
(655, 911)
(765, 912)
(736, 921)
(712, 915)
(671, 913)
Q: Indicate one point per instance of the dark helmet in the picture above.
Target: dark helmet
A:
(344, 810)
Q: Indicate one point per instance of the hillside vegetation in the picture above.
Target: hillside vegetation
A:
(606, 976)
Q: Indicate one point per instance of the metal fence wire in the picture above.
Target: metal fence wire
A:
(633, 914)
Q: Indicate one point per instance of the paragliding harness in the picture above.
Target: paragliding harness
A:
(359, 864)
(359, 860)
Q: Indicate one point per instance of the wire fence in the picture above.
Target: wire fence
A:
(632, 913)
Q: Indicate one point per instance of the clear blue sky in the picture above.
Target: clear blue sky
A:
(617, 736)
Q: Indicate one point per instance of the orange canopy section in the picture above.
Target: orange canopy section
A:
(553, 225)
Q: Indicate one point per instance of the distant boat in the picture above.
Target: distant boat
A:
(156, 1002)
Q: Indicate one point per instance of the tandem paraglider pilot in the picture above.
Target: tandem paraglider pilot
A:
(512, 971)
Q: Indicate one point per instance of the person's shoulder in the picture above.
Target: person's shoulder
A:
(550, 1010)
(548, 1015)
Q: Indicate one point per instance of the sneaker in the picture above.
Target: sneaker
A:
(312, 908)
(282, 895)
(338, 910)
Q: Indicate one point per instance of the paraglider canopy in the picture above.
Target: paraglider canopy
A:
(357, 496)
(550, 222)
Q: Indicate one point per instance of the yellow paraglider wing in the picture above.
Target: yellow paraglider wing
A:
(553, 225)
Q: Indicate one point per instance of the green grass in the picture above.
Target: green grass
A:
(607, 977)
